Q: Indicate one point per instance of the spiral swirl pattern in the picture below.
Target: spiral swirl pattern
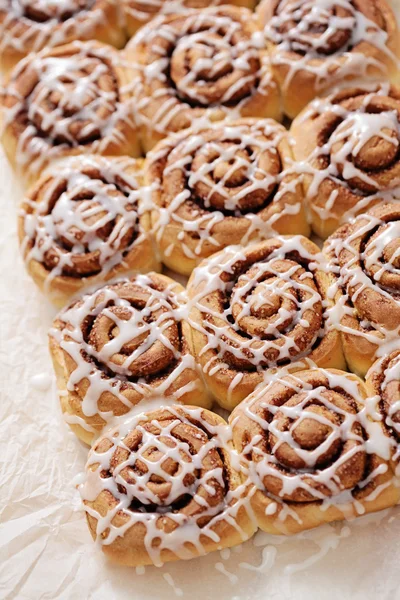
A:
(308, 443)
(163, 473)
(257, 309)
(311, 444)
(67, 101)
(122, 344)
(31, 25)
(383, 382)
(222, 186)
(40, 11)
(352, 151)
(205, 65)
(313, 28)
(364, 255)
(85, 221)
(317, 44)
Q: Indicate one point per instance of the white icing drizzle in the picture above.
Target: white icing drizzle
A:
(84, 219)
(332, 40)
(259, 308)
(74, 103)
(384, 381)
(268, 554)
(222, 186)
(327, 541)
(161, 479)
(233, 579)
(310, 437)
(171, 472)
(150, 471)
(143, 10)
(124, 343)
(41, 382)
(192, 69)
(353, 159)
(31, 25)
(169, 579)
(364, 255)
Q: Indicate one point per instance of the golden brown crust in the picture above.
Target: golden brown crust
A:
(304, 436)
(84, 223)
(257, 309)
(349, 143)
(187, 511)
(31, 26)
(142, 319)
(177, 92)
(67, 101)
(364, 256)
(222, 186)
(139, 12)
(353, 40)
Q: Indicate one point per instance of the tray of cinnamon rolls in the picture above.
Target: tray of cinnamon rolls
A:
(210, 200)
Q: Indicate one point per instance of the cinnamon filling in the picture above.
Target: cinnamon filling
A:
(370, 268)
(161, 465)
(69, 99)
(313, 28)
(387, 384)
(205, 61)
(272, 311)
(82, 222)
(318, 29)
(225, 175)
(135, 336)
(312, 443)
(41, 11)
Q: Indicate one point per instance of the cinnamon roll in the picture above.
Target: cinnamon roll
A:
(312, 452)
(316, 45)
(224, 185)
(347, 146)
(364, 255)
(163, 486)
(31, 25)
(191, 69)
(383, 384)
(123, 344)
(66, 101)
(86, 222)
(259, 308)
(139, 12)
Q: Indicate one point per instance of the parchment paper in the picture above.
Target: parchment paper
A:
(45, 548)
